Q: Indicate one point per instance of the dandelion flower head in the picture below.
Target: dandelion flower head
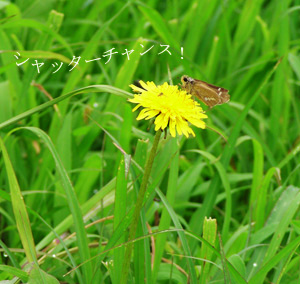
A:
(170, 107)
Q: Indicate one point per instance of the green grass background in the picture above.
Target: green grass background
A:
(73, 155)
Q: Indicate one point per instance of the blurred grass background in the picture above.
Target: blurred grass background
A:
(61, 148)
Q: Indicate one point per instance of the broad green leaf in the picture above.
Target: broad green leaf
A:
(38, 276)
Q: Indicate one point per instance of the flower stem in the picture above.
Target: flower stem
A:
(138, 208)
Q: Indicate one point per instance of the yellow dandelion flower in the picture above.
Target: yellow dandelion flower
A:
(170, 107)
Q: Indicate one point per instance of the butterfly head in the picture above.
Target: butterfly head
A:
(186, 79)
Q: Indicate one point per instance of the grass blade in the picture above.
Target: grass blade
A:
(19, 208)
(72, 201)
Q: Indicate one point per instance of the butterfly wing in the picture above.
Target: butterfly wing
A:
(209, 94)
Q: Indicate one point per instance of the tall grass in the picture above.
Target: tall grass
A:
(222, 207)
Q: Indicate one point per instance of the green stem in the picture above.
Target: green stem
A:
(138, 208)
